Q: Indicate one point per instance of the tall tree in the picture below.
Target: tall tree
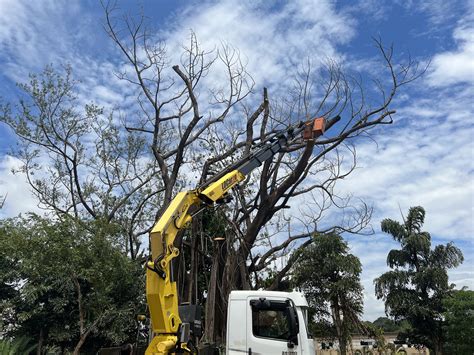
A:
(416, 287)
(330, 278)
(213, 116)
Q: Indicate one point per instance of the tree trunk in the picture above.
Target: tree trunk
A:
(79, 344)
(229, 282)
(191, 296)
(84, 333)
(336, 316)
(40, 342)
(216, 302)
(210, 311)
(343, 345)
(438, 347)
(84, 336)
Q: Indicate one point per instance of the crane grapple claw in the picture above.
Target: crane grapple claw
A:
(314, 128)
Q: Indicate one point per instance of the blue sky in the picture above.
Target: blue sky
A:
(425, 158)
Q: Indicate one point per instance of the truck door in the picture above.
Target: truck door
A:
(272, 327)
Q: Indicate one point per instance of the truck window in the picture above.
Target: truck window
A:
(270, 323)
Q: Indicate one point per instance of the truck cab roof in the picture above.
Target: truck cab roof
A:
(297, 297)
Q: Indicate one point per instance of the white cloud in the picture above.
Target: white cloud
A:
(427, 159)
(464, 274)
(274, 41)
(422, 160)
(455, 66)
(16, 189)
(36, 33)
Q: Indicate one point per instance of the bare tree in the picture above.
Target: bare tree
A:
(305, 175)
(170, 103)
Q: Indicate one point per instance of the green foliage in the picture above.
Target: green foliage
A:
(55, 273)
(330, 278)
(322, 329)
(417, 284)
(325, 271)
(21, 345)
(388, 325)
(459, 317)
(378, 329)
(376, 333)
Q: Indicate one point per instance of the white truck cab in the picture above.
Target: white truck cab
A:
(268, 322)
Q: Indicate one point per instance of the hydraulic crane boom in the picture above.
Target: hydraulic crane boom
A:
(171, 334)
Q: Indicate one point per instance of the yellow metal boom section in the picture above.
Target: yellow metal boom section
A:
(161, 291)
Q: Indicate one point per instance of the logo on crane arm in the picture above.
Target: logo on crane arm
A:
(229, 182)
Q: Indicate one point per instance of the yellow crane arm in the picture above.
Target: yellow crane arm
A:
(161, 290)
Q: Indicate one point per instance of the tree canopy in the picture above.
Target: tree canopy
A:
(416, 286)
(67, 285)
(329, 276)
(459, 322)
